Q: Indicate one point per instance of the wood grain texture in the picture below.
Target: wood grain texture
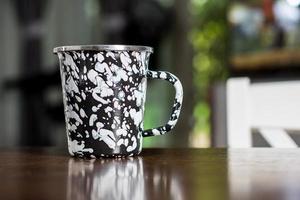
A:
(155, 174)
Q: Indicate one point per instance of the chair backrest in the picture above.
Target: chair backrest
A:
(269, 107)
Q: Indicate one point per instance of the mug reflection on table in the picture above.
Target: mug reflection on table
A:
(112, 179)
(122, 178)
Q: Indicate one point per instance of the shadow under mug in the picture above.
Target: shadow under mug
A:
(104, 91)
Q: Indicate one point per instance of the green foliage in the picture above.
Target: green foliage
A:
(202, 112)
(209, 38)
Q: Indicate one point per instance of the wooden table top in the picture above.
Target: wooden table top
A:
(49, 173)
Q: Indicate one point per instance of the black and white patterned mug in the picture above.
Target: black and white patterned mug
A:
(104, 90)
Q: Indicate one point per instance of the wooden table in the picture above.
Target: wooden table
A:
(155, 174)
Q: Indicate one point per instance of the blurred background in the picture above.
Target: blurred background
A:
(203, 42)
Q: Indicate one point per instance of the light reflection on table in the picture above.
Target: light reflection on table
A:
(263, 173)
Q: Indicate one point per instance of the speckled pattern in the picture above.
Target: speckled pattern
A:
(104, 94)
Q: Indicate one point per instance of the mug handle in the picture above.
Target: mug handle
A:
(176, 105)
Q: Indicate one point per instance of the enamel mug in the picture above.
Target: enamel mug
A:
(104, 91)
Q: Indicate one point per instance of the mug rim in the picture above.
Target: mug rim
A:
(103, 47)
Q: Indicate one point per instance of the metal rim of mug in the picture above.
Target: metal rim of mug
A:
(114, 47)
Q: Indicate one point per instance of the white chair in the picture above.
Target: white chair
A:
(269, 107)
